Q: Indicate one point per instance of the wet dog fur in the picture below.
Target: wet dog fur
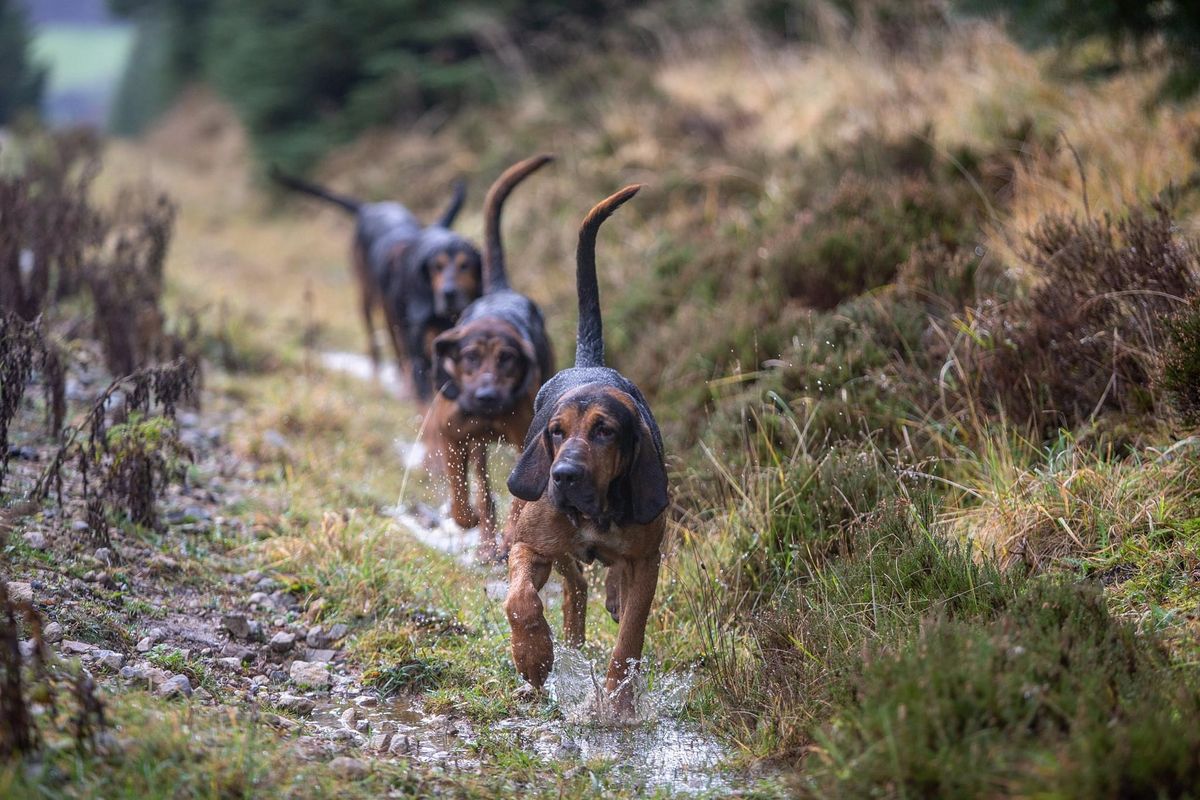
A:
(590, 485)
(488, 370)
(421, 276)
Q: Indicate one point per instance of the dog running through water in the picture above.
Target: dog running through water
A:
(488, 370)
(590, 485)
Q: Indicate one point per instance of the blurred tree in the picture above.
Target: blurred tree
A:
(21, 80)
(307, 74)
(1129, 27)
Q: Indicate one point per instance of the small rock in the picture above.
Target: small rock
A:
(324, 656)
(366, 701)
(295, 704)
(145, 644)
(35, 540)
(132, 673)
(280, 723)
(20, 592)
(338, 632)
(316, 638)
(237, 625)
(282, 599)
(259, 680)
(278, 676)
(380, 741)
(77, 648)
(283, 641)
(256, 631)
(175, 686)
(401, 745)
(306, 673)
(350, 768)
(52, 633)
(105, 556)
(259, 599)
(80, 526)
(253, 576)
(242, 654)
(110, 659)
(350, 718)
(234, 664)
(266, 585)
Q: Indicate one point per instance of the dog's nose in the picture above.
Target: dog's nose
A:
(450, 295)
(566, 473)
(487, 394)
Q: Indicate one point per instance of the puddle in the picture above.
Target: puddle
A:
(359, 366)
(657, 752)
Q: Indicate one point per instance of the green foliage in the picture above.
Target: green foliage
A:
(1126, 25)
(826, 609)
(1055, 695)
(21, 80)
(307, 76)
(1181, 361)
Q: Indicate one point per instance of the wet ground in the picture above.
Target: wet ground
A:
(659, 751)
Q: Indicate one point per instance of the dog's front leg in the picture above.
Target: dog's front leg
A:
(460, 492)
(532, 649)
(485, 504)
(575, 592)
(639, 579)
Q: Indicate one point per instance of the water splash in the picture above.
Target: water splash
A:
(359, 366)
(577, 685)
(651, 748)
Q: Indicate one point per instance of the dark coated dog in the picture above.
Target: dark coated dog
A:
(421, 276)
(488, 370)
(590, 485)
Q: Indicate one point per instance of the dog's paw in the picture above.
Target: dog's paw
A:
(527, 693)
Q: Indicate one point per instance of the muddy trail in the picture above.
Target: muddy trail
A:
(195, 616)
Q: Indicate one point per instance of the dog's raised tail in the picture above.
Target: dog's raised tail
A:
(494, 275)
(320, 192)
(589, 342)
(459, 196)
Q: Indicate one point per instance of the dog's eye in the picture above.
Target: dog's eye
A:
(602, 431)
(506, 359)
(470, 359)
(556, 434)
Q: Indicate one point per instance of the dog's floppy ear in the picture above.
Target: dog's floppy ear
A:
(445, 348)
(533, 371)
(647, 480)
(532, 472)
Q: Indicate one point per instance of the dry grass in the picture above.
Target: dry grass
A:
(1044, 507)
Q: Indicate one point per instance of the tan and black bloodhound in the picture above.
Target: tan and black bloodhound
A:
(488, 369)
(590, 485)
(421, 276)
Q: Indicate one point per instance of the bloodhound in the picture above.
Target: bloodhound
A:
(590, 485)
(421, 276)
(488, 369)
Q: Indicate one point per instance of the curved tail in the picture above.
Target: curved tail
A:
(494, 276)
(589, 342)
(456, 203)
(320, 192)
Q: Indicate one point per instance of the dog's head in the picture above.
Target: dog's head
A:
(453, 267)
(596, 458)
(486, 366)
